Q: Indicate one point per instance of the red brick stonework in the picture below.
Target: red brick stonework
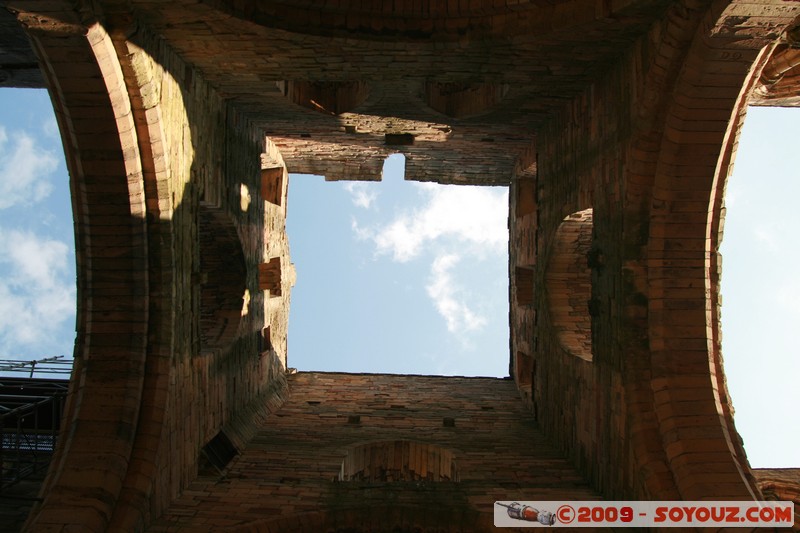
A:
(181, 121)
(292, 469)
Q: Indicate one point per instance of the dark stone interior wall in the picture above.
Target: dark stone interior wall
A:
(288, 478)
(647, 146)
(18, 64)
(582, 163)
(213, 160)
(193, 150)
(615, 109)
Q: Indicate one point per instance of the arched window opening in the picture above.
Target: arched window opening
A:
(759, 286)
(569, 284)
(222, 279)
(37, 278)
(399, 460)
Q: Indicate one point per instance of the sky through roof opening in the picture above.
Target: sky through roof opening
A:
(761, 288)
(37, 248)
(421, 286)
(398, 277)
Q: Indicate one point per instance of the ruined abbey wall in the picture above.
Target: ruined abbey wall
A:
(366, 451)
(613, 124)
(647, 148)
(207, 358)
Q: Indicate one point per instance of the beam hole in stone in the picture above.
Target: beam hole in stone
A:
(523, 284)
(216, 454)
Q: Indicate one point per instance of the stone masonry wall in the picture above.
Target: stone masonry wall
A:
(288, 476)
(213, 163)
(648, 147)
(578, 402)
(191, 152)
(174, 124)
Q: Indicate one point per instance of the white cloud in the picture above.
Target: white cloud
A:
(472, 216)
(734, 193)
(445, 294)
(403, 238)
(362, 193)
(24, 168)
(361, 233)
(453, 224)
(36, 294)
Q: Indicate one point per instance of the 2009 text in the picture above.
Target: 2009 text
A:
(644, 514)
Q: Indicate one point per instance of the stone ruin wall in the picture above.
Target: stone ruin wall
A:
(203, 200)
(644, 415)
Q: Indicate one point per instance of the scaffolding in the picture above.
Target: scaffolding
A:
(58, 365)
(30, 415)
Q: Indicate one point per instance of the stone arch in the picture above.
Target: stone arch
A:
(779, 83)
(568, 280)
(781, 485)
(398, 460)
(152, 144)
(93, 110)
(679, 291)
(223, 281)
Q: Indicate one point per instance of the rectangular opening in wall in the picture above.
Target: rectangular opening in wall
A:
(272, 184)
(526, 197)
(398, 276)
(523, 280)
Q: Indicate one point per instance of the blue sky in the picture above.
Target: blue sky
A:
(412, 278)
(397, 276)
(761, 287)
(37, 250)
